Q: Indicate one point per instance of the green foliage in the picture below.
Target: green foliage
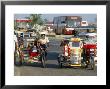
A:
(45, 21)
(36, 19)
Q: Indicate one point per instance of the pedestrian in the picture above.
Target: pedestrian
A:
(20, 40)
(75, 33)
(15, 42)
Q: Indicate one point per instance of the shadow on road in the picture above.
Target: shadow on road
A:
(52, 60)
(52, 55)
(51, 65)
(40, 66)
(32, 64)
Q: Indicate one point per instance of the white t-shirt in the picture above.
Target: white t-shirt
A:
(44, 41)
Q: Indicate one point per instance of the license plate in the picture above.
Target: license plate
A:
(91, 49)
(74, 60)
(35, 58)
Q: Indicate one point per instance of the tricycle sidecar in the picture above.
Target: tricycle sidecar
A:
(71, 53)
(90, 53)
(30, 54)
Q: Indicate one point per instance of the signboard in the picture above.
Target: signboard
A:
(74, 17)
(23, 20)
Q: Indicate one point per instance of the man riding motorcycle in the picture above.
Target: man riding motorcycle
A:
(44, 42)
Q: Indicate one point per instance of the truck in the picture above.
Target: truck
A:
(65, 24)
(84, 23)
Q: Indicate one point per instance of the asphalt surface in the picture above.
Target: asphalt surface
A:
(52, 68)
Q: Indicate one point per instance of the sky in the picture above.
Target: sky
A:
(85, 17)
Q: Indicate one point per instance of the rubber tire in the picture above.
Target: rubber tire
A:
(43, 61)
(63, 33)
(92, 64)
(60, 64)
(17, 63)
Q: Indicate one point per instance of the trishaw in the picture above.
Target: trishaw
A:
(30, 54)
(71, 52)
(90, 51)
(90, 54)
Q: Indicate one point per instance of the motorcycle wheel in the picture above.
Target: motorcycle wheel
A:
(92, 64)
(43, 61)
(17, 60)
(60, 64)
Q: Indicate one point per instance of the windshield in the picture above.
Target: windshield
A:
(75, 44)
(91, 40)
(72, 23)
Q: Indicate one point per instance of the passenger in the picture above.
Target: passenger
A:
(38, 46)
(62, 43)
(15, 43)
(20, 40)
(76, 33)
(83, 53)
(34, 49)
(35, 41)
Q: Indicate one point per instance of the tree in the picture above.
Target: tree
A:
(45, 21)
(15, 24)
(36, 19)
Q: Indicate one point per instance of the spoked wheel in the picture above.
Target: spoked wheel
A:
(43, 61)
(83, 64)
(17, 59)
(92, 63)
(60, 65)
(59, 62)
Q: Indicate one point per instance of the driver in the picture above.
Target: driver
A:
(44, 42)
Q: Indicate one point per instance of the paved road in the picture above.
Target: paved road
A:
(52, 66)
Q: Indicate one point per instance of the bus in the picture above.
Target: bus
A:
(65, 24)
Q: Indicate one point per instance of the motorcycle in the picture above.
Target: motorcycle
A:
(90, 53)
(71, 53)
(30, 55)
